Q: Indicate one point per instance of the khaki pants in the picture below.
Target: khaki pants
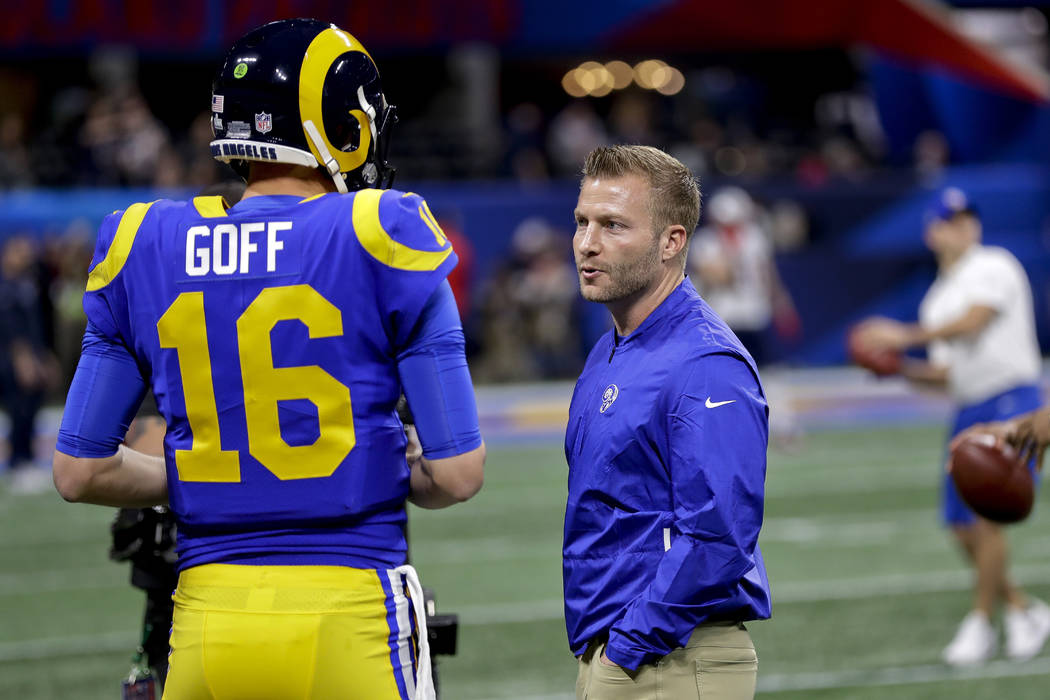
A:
(718, 661)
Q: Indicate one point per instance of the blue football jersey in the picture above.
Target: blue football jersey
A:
(269, 333)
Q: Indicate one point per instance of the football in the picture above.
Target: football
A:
(991, 479)
(882, 361)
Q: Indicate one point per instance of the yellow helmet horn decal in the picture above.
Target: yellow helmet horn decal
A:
(323, 51)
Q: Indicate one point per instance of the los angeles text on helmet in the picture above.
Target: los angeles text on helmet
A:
(245, 150)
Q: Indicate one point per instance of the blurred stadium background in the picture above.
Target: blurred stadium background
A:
(841, 118)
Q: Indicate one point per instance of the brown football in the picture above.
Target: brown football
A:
(992, 480)
(883, 362)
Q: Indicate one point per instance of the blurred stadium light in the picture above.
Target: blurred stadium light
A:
(918, 30)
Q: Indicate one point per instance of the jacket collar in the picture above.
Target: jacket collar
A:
(667, 308)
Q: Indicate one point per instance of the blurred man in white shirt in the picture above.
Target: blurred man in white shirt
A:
(731, 263)
(977, 323)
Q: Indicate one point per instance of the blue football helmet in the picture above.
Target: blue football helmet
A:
(303, 92)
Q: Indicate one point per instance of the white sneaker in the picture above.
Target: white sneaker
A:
(1027, 630)
(973, 644)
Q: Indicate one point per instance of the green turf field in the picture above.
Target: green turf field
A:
(866, 587)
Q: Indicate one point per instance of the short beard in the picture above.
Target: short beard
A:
(625, 279)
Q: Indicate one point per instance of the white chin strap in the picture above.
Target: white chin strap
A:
(369, 110)
(327, 161)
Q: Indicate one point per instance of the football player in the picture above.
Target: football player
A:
(1028, 434)
(277, 335)
(977, 323)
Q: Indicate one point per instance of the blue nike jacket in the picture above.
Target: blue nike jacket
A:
(666, 446)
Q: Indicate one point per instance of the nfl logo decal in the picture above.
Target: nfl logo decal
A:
(263, 122)
(608, 397)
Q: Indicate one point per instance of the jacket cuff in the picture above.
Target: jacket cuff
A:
(624, 654)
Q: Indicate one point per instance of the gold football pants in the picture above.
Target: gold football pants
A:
(291, 633)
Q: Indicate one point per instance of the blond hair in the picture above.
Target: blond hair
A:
(674, 195)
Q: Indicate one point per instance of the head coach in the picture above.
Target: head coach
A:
(666, 448)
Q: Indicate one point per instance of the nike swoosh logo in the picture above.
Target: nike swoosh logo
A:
(715, 404)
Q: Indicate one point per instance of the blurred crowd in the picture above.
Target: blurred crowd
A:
(41, 289)
(529, 317)
(113, 138)
(523, 317)
(107, 139)
(103, 131)
(529, 322)
(524, 320)
(41, 324)
(838, 147)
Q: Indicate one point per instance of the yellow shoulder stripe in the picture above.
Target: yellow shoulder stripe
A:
(381, 246)
(120, 248)
(211, 207)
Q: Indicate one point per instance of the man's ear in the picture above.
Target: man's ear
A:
(673, 242)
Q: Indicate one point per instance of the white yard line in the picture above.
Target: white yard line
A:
(506, 613)
(786, 593)
(834, 533)
(866, 678)
(78, 533)
(49, 648)
(55, 647)
(899, 675)
(58, 647)
(60, 580)
(893, 584)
